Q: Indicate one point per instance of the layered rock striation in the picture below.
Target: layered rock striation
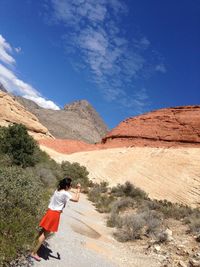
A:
(11, 111)
(177, 126)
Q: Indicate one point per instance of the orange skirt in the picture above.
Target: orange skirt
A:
(50, 221)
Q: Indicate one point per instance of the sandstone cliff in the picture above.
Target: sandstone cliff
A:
(13, 112)
(77, 121)
(164, 173)
(178, 126)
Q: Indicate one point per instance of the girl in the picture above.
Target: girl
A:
(50, 221)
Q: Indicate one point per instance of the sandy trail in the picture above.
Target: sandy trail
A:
(83, 240)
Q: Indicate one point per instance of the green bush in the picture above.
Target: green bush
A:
(128, 190)
(78, 173)
(114, 220)
(96, 191)
(18, 145)
(104, 203)
(23, 202)
(49, 172)
(5, 160)
(170, 210)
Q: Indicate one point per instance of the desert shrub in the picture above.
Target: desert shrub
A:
(103, 186)
(128, 190)
(150, 204)
(132, 227)
(22, 204)
(123, 204)
(49, 172)
(94, 193)
(102, 200)
(5, 160)
(153, 221)
(46, 175)
(2, 134)
(18, 145)
(193, 222)
(134, 214)
(114, 219)
(135, 225)
(173, 210)
(96, 190)
(42, 156)
(78, 173)
(104, 203)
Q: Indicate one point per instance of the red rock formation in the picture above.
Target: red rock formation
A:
(179, 126)
(169, 127)
(67, 146)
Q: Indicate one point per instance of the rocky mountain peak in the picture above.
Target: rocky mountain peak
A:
(78, 120)
(79, 104)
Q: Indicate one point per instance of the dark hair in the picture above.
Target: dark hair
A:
(66, 182)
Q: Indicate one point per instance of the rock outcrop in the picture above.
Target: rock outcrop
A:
(169, 127)
(77, 121)
(13, 112)
(2, 88)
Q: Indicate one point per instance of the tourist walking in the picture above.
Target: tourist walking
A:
(51, 219)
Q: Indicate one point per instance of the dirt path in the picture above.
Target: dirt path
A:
(83, 240)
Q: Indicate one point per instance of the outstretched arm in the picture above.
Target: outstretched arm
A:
(76, 196)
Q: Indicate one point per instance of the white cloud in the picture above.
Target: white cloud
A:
(5, 49)
(18, 49)
(161, 68)
(114, 60)
(42, 102)
(15, 85)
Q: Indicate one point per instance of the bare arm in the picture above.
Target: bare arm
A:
(76, 196)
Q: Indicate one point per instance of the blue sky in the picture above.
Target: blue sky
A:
(125, 57)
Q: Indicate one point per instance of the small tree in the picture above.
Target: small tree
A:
(19, 145)
(78, 173)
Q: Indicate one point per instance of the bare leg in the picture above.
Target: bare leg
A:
(41, 239)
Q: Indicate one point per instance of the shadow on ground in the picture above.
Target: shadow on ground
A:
(46, 253)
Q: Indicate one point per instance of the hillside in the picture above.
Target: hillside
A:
(158, 152)
(77, 121)
(164, 173)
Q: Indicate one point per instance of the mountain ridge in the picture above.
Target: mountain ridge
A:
(77, 121)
